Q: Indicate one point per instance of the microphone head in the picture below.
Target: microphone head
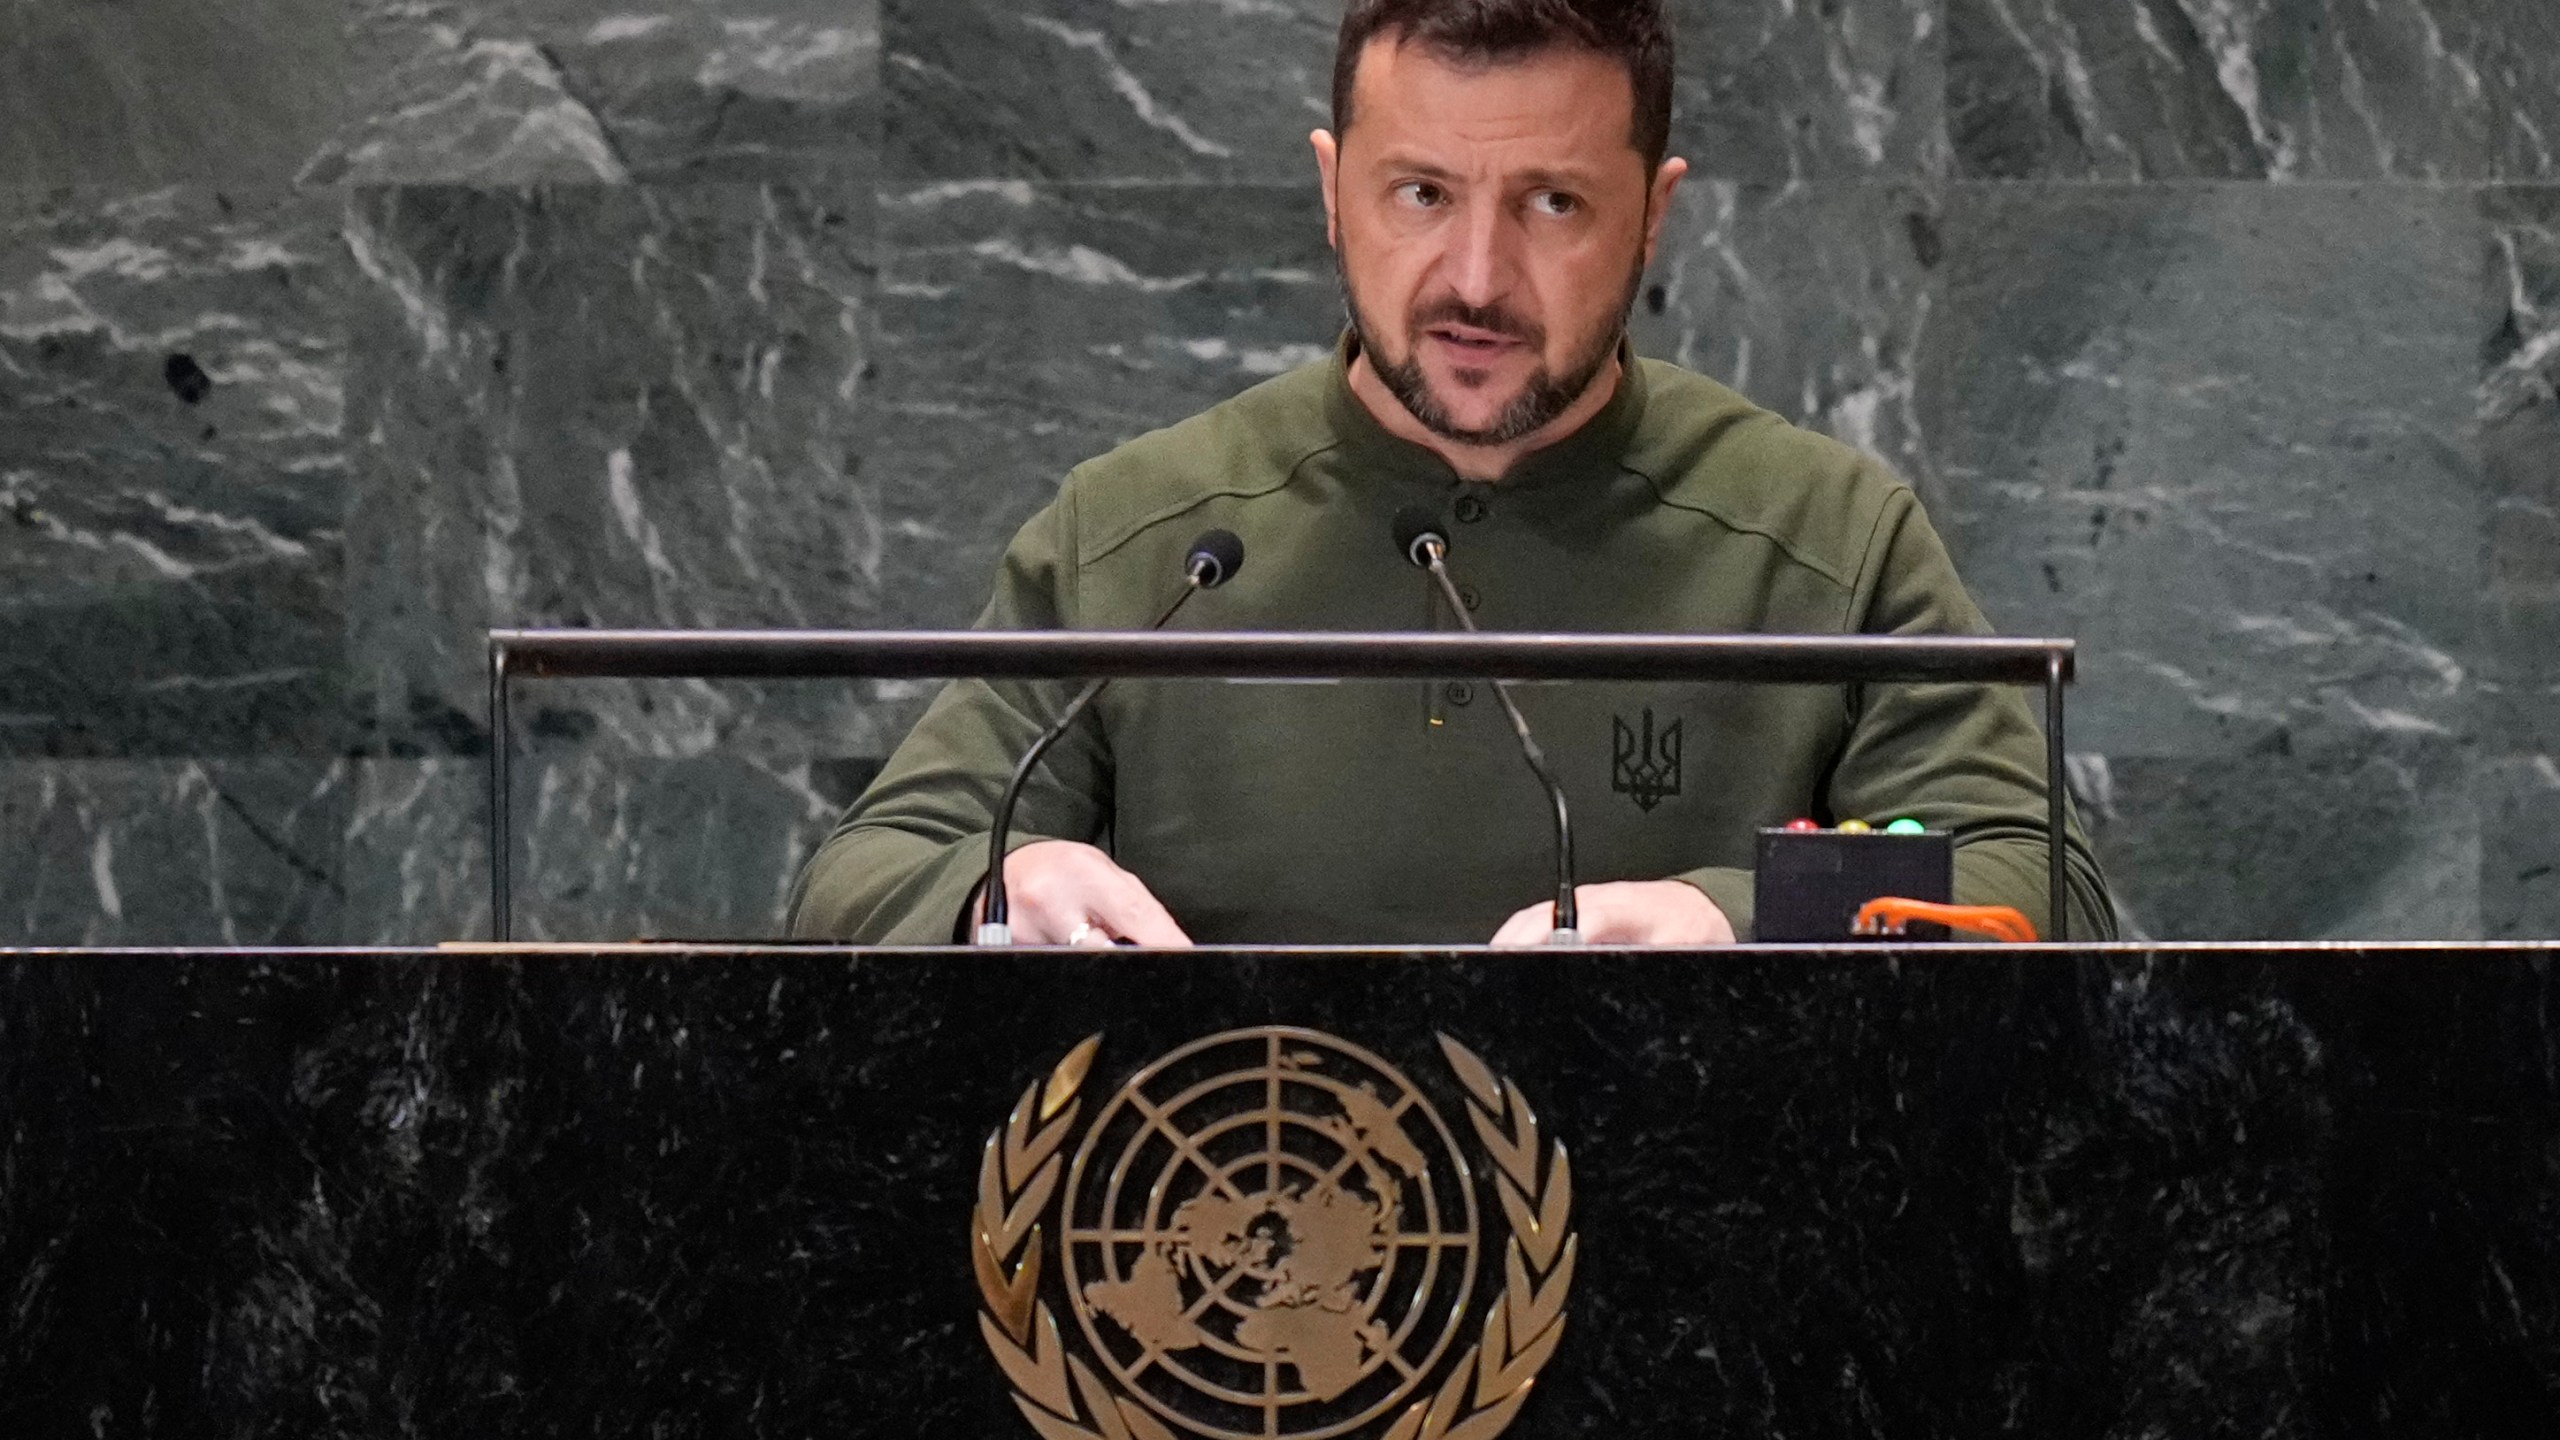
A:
(1418, 533)
(1214, 559)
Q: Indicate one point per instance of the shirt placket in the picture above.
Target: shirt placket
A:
(1471, 507)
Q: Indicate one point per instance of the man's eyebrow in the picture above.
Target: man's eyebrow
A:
(1404, 164)
(1557, 179)
(1569, 178)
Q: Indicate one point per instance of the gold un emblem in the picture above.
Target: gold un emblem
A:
(1271, 1233)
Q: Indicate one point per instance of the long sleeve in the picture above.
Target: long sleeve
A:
(905, 860)
(1968, 759)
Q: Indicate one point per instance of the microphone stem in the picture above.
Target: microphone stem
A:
(995, 911)
(1567, 917)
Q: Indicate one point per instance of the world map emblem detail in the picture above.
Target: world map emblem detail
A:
(1271, 1233)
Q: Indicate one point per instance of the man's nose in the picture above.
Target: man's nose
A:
(1483, 256)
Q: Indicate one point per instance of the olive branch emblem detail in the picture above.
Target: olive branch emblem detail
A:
(1063, 1397)
(1016, 1179)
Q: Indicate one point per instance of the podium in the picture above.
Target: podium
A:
(2033, 1190)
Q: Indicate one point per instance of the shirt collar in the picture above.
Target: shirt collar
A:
(1592, 452)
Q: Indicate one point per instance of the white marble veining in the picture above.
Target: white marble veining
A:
(2442, 90)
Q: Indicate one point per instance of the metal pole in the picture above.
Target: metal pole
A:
(2055, 794)
(1274, 655)
(501, 828)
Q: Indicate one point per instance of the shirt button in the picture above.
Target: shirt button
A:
(1471, 509)
(1468, 597)
(1460, 692)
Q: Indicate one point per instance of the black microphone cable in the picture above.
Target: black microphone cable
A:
(1212, 561)
(1424, 542)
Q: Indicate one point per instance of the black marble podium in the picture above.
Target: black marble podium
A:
(2111, 1191)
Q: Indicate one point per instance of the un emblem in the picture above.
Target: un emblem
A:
(1271, 1233)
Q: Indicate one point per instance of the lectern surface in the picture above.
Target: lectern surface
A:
(1924, 1192)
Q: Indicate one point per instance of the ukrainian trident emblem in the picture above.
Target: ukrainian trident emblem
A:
(1271, 1233)
(1644, 763)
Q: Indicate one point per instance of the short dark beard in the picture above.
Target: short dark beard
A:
(1545, 397)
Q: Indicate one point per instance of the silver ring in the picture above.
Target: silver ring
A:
(1076, 936)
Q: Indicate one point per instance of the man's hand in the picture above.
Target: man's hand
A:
(1059, 892)
(1627, 912)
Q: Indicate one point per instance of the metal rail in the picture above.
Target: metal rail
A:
(1257, 655)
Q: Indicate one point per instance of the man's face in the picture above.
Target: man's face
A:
(1492, 223)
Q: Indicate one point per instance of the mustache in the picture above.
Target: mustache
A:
(1454, 311)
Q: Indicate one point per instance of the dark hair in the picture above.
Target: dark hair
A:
(1493, 31)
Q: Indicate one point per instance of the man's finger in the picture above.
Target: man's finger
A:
(1035, 925)
(1606, 921)
(1040, 917)
(1132, 912)
(1528, 927)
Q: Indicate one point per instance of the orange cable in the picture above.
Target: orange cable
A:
(1892, 915)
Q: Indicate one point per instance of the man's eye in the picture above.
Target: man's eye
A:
(1554, 202)
(1420, 193)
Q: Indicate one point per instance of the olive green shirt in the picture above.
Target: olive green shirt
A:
(1401, 812)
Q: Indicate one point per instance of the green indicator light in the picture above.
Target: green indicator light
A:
(1906, 826)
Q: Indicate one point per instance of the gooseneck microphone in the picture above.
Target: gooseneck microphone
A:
(1424, 542)
(1212, 561)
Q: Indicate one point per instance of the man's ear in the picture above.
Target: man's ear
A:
(1666, 183)
(1329, 167)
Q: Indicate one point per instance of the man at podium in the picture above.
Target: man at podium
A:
(1495, 184)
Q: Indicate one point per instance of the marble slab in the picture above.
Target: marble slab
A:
(610, 844)
(172, 852)
(172, 474)
(1767, 90)
(2265, 1194)
(2254, 89)
(525, 92)
(2519, 405)
(669, 424)
(668, 849)
(2520, 844)
(1778, 91)
(1093, 90)
(2378, 840)
(608, 406)
(416, 851)
(1026, 328)
(158, 92)
(1812, 300)
(2224, 435)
